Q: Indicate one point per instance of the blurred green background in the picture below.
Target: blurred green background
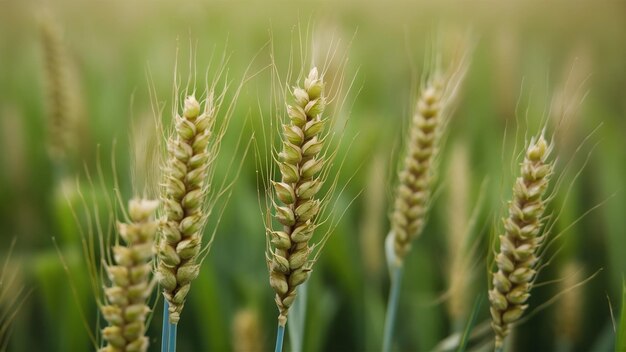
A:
(524, 54)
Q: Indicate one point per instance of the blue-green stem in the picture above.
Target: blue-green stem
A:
(168, 336)
(392, 306)
(297, 318)
(280, 336)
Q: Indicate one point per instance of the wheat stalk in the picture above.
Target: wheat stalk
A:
(125, 309)
(187, 169)
(522, 237)
(300, 163)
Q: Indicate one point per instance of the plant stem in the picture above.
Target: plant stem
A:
(165, 334)
(172, 338)
(297, 318)
(280, 335)
(392, 307)
(168, 336)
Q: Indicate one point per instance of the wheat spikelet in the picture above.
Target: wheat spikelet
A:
(189, 160)
(300, 163)
(413, 191)
(125, 309)
(522, 237)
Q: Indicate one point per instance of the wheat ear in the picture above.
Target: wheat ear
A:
(415, 179)
(300, 163)
(125, 309)
(62, 89)
(56, 85)
(414, 187)
(185, 194)
(522, 237)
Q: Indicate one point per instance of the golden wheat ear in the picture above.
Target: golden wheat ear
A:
(125, 308)
(522, 237)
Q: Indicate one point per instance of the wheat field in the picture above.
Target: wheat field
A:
(426, 176)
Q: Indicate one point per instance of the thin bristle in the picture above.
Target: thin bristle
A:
(300, 163)
(517, 257)
(126, 309)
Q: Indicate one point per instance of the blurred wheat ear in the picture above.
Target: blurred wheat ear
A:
(415, 177)
(460, 257)
(125, 308)
(247, 336)
(434, 107)
(61, 90)
(568, 319)
(516, 259)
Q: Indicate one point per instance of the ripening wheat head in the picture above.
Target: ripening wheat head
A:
(186, 191)
(57, 92)
(517, 257)
(125, 309)
(418, 167)
(300, 163)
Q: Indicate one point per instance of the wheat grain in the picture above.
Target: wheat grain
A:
(300, 163)
(516, 259)
(125, 309)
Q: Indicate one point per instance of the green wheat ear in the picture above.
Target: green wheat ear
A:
(517, 257)
(125, 309)
(186, 191)
(415, 178)
(300, 162)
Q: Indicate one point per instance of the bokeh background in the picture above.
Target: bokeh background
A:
(526, 56)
